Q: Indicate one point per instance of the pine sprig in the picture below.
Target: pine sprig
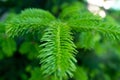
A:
(107, 30)
(28, 21)
(81, 21)
(57, 55)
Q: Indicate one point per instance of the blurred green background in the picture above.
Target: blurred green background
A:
(98, 58)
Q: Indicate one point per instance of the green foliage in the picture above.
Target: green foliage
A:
(84, 21)
(36, 19)
(10, 45)
(88, 40)
(26, 48)
(58, 51)
(36, 74)
(37, 34)
(56, 54)
(80, 74)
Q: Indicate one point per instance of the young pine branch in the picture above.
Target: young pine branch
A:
(28, 21)
(58, 51)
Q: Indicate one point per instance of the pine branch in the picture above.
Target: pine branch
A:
(81, 21)
(57, 55)
(107, 29)
(57, 52)
(28, 21)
